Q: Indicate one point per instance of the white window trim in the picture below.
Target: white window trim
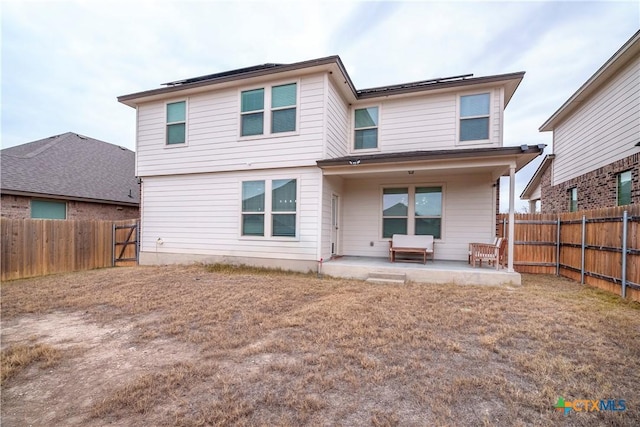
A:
(352, 137)
(266, 124)
(490, 116)
(186, 123)
(411, 225)
(268, 212)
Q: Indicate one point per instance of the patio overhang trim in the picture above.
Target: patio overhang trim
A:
(435, 159)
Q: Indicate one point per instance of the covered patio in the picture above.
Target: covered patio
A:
(451, 194)
(381, 270)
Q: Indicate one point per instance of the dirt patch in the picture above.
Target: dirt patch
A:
(98, 359)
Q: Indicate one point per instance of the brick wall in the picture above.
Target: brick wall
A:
(14, 207)
(18, 207)
(596, 189)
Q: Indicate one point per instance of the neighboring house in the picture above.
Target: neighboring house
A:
(282, 165)
(596, 141)
(69, 176)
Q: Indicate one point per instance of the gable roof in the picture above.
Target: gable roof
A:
(534, 182)
(629, 51)
(71, 166)
(333, 65)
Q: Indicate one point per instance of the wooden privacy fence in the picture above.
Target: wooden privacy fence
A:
(36, 247)
(598, 247)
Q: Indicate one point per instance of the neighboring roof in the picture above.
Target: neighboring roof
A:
(537, 177)
(418, 156)
(629, 51)
(331, 64)
(71, 166)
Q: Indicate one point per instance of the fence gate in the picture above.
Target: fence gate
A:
(125, 244)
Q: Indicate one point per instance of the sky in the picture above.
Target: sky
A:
(64, 63)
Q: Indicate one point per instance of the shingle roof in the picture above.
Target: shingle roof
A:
(71, 166)
(329, 63)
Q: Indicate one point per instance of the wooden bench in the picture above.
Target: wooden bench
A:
(402, 243)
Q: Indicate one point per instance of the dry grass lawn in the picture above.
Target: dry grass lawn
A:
(188, 346)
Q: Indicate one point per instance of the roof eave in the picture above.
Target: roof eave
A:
(537, 176)
(66, 197)
(511, 81)
(415, 156)
(133, 99)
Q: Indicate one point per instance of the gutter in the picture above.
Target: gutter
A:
(412, 156)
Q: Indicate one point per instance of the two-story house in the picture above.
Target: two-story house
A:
(596, 142)
(284, 164)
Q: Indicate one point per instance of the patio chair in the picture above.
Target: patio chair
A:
(487, 252)
(495, 241)
(502, 256)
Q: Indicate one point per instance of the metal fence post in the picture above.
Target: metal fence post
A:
(584, 235)
(625, 219)
(558, 247)
(504, 228)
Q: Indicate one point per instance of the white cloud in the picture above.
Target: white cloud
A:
(64, 63)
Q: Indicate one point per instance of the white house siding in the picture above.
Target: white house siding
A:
(468, 214)
(198, 215)
(337, 123)
(601, 131)
(332, 185)
(430, 122)
(213, 142)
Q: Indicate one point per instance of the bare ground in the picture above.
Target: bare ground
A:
(187, 346)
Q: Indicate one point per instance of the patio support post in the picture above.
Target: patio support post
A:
(512, 222)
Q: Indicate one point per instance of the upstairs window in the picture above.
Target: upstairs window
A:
(176, 123)
(252, 112)
(366, 128)
(624, 188)
(283, 108)
(573, 199)
(474, 117)
(282, 115)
